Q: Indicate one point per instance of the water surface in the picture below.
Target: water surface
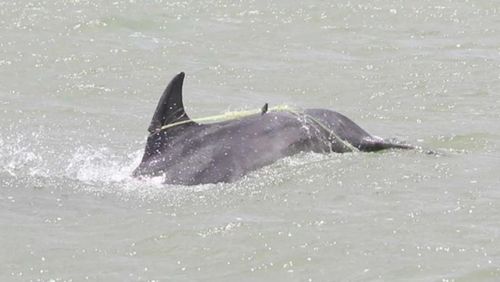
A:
(79, 81)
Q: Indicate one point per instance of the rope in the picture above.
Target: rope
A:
(236, 115)
(332, 133)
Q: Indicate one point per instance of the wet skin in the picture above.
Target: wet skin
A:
(192, 153)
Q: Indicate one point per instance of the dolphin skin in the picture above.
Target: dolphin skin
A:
(187, 152)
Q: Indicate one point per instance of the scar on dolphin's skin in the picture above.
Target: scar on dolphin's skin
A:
(226, 147)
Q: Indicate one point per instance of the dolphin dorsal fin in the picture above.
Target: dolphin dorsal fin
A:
(170, 108)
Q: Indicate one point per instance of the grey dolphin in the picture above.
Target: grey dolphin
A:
(190, 153)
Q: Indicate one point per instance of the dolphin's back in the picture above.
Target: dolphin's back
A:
(188, 153)
(223, 152)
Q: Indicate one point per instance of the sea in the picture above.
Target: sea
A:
(80, 79)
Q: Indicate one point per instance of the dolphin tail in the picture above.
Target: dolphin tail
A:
(396, 144)
(375, 143)
(170, 108)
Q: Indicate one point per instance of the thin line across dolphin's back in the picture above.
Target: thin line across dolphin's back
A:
(223, 148)
(236, 115)
(232, 115)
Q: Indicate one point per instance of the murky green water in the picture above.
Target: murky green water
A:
(79, 81)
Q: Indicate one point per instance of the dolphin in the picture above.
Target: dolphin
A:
(187, 152)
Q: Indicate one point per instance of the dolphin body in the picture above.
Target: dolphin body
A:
(189, 153)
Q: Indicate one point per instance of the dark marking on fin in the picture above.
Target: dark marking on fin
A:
(264, 109)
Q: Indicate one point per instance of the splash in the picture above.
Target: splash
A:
(101, 165)
(28, 161)
(17, 159)
(104, 170)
